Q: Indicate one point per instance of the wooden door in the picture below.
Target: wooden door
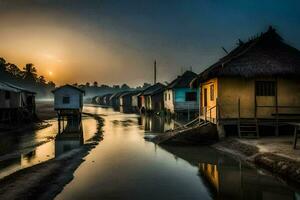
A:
(205, 98)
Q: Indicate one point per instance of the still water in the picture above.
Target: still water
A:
(22, 150)
(125, 166)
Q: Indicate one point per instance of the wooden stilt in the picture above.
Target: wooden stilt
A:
(295, 137)
(59, 124)
(239, 118)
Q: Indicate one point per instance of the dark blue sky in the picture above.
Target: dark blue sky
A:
(113, 37)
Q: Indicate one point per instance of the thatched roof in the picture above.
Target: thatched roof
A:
(265, 55)
(182, 81)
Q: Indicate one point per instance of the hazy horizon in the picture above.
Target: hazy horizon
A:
(115, 42)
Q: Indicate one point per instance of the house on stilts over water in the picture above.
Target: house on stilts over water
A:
(68, 103)
(179, 97)
(126, 101)
(17, 105)
(152, 98)
(255, 86)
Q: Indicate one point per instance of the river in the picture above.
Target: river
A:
(125, 166)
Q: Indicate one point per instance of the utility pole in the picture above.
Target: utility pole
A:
(154, 71)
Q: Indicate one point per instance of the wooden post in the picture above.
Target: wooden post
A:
(276, 104)
(239, 118)
(63, 123)
(58, 115)
(218, 115)
(295, 137)
(205, 114)
(239, 108)
(255, 101)
(188, 112)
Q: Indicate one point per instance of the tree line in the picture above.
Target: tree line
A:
(26, 77)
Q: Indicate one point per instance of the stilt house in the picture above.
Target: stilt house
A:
(136, 102)
(68, 101)
(126, 99)
(179, 96)
(106, 99)
(255, 84)
(152, 98)
(114, 99)
(16, 103)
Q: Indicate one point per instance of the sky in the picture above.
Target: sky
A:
(117, 41)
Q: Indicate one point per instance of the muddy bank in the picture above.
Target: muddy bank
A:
(279, 163)
(46, 180)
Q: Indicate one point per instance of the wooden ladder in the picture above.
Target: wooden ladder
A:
(248, 128)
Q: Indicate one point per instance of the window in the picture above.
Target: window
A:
(169, 96)
(66, 100)
(165, 96)
(212, 92)
(265, 88)
(7, 95)
(190, 96)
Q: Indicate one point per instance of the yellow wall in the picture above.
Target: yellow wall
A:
(210, 102)
(232, 89)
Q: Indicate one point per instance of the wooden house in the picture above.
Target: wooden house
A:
(106, 99)
(152, 98)
(97, 100)
(255, 84)
(180, 97)
(16, 103)
(68, 97)
(68, 102)
(126, 101)
(114, 99)
(136, 102)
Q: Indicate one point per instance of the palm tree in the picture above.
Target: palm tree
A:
(42, 80)
(30, 72)
(95, 84)
(3, 65)
(51, 84)
(14, 70)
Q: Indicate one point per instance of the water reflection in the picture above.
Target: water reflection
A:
(156, 124)
(70, 138)
(126, 109)
(24, 150)
(227, 178)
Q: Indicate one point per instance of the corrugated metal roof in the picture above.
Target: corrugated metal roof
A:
(13, 88)
(5, 87)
